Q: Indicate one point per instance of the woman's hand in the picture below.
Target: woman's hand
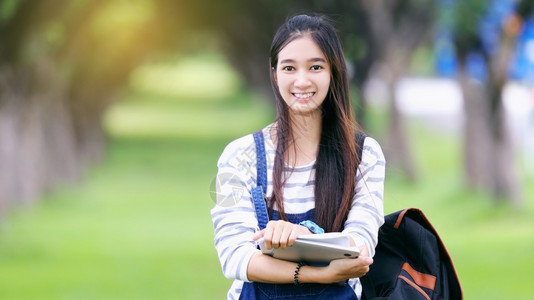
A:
(346, 268)
(280, 234)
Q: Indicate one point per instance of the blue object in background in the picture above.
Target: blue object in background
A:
(490, 27)
(523, 64)
(476, 67)
(445, 55)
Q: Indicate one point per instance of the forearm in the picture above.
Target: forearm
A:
(264, 268)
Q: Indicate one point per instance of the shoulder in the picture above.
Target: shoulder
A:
(243, 149)
(371, 150)
(240, 150)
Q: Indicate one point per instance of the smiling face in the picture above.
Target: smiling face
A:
(302, 75)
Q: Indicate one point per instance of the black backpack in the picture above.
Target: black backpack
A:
(411, 261)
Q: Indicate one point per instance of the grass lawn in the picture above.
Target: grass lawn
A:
(139, 226)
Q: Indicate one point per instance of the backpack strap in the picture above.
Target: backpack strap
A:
(258, 193)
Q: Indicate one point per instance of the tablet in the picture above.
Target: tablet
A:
(314, 248)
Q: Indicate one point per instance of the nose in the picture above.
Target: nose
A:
(302, 80)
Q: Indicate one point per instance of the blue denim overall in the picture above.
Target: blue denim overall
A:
(258, 290)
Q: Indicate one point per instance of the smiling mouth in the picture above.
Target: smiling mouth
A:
(303, 95)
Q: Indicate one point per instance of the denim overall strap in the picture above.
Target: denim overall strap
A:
(258, 193)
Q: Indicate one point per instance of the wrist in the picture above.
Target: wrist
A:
(296, 276)
(312, 274)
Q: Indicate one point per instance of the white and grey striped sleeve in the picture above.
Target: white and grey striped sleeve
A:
(233, 216)
(367, 211)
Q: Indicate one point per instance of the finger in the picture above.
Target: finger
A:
(287, 229)
(268, 236)
(359, 268)
(274, 228)
(295, 233)
(361, 272)
(363, 266)
(278, 228)
(258, 234)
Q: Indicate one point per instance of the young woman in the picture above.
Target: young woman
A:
(314, 175)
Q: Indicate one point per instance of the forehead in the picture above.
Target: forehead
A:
(301, 49)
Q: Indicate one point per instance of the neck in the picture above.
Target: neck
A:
(307, 135)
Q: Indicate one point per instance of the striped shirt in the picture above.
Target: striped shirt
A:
(234, 217)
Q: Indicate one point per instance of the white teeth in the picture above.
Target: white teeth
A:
(306, 95)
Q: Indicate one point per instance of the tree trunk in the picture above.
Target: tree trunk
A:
(38, 149)
(87, 125)
(504, 179)
(396, 31)
(477, 136)
(398, 149)
(488, 153)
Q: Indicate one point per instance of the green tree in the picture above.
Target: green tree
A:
(60, 64)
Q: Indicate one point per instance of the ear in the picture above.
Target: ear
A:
(274, 75)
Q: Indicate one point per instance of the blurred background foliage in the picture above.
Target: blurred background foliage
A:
(113, 115)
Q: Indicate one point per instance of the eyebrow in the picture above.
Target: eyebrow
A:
(315, 59)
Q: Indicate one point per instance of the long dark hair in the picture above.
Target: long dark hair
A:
(335, 167)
